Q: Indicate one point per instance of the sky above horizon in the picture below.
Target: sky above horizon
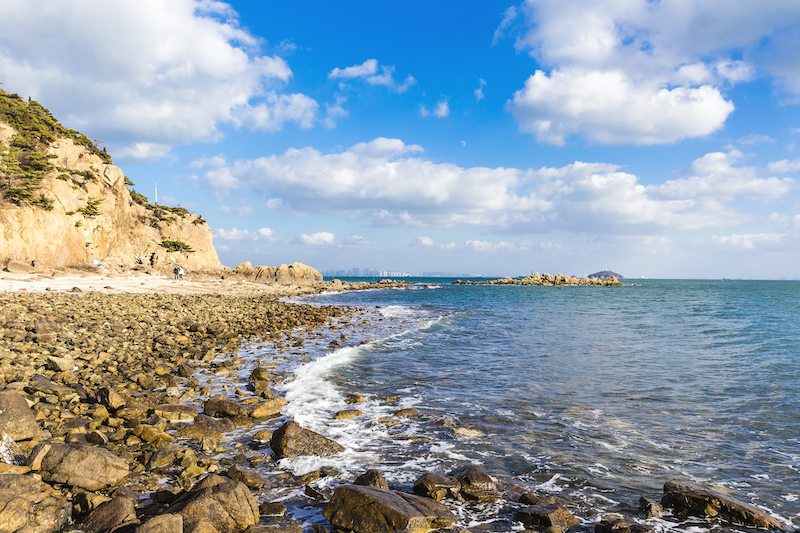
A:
(652, 138)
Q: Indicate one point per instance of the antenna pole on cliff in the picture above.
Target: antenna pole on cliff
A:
(156, 193)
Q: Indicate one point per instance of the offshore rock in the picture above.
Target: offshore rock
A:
(372, 510)
(294, 274)
(291, 440)
(547, 280)
(27, 504)
(88, 467)
(686, 498)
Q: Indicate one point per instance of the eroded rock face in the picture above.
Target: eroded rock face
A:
(291, 440)
(686, 498)
(29, 505)
(223, 504)
(16, 418)
(88, 467)
(294, 274)
(372, 510)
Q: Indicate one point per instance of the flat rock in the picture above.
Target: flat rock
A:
(60, 364)
(346, 415)
(16, 418)
(270, 407)
(291, 440)
(222, 425)
(249, 477)
(621, 525)
(548, 517)
(88, 467)
(221, 503)
(686, 498)
(220, 406)
(27, 504)
(371, 510)
(176, 412)
(475, 483)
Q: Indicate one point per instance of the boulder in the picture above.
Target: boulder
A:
(220, 406)
(271, 407)
(621, 525)
(223, 504)
(16, 418)
(10, 453)
(686, 498)
(27, 504)
(108, 516)
(221, 425)
(373, 510)
(650, 508)
(249, 477)
(291, 440)
(176, 412)
(19, 267)
(165, 523)
(88, 467)
(476, 484)
(437, 487)
(547, 517)
(372, 478)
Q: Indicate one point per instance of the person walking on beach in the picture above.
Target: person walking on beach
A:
(175, 273)
(180, 273)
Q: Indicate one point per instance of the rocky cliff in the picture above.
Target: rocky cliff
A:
(62, 203)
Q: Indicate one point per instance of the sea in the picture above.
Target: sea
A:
(597, 395)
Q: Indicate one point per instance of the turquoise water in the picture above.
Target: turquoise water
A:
(597, 394)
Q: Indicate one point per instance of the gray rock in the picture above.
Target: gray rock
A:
(27, 504)
(692, 499)
(16, 418)
(369, 509)
(291, 440)
(10, 453)
(475, 483)
(88, 467)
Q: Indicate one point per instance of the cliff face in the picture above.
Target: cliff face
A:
(77, 209)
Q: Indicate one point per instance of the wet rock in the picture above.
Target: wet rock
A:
(221, 503)
(27, 504)
(167, 523)
(354, 398)
(16, 418)
(621, 525)
(271, 407)
(272, 509)
(546, 517)
(162, 456)
(291, 440)
(152, 434)
(475, 483)
(88, 467)
(222, 425)
(407, 413)
(10, 452)
(369, 509)
(113, 514)
(176, 412)
(219, 406)
(346, 415)
(185, 370)
(196, 432)
(315, 493)
(686, 498)
(462, 433)
(260, 373)
(372, 478)
(650, 508)
(262, 436)
(437, 487)
(249, 477)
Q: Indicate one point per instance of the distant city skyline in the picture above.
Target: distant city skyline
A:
(661, 139)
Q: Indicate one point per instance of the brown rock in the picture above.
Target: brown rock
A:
(621, 525)
(224, 504)
(345, 415)
(88, 467)
(29, 505)
(165, 523)
(176, 413)
(272, 509)
(475, 483)
(291, 440)
(222, 425)
(369, 509)
(220, 406)
(650, 508)
(271, 407)
(407, 413)
(686, 498)
(16, 418)
(437, 487)
(249, 477)
(18, 267)
(550, 518)
(111, 515)
(372, 478)
(110, 398)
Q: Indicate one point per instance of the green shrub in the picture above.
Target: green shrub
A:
(176, 246)
(91, 210)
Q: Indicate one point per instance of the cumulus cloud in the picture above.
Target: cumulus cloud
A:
(389, 183)
(356, 240)
(424, 241)
(784, 166)
(263, 234)
(669, 62)
(145, 76)
(321, 237)
(373, 74)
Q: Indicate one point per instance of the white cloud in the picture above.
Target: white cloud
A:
(424, 241)
(373, 74)
(214, 161)
(754, 139)
(441, 110)
(508, 17)
(334, 112)
(267, 234)
(322, 237)
(244, 210)
(784, 166)
(389, 183)
(263, 234)
(748, 241)
(479, 91)
(357, 240)
(145, 76)
(670, 61)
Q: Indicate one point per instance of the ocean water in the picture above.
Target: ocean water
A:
(597, 395)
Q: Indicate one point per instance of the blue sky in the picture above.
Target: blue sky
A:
(656, 139)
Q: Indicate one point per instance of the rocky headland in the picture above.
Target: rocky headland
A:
(548, 280)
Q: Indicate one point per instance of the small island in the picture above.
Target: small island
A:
(548, 280)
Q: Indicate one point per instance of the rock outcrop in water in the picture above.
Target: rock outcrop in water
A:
(547, 280)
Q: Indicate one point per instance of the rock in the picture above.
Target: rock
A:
(185, 370)
(88, 467)
(60, 364)
(372, 478)
(354, 398)
(222, 425)
(650, 508)
(220, 406)
(268, 408)
(10, 453)
(622, 525)
(176, 413)
(224, 504)
(686, 498)
(162, 456)
(407, 413)
(475, 483)
(529, 498)
(291, 440)
(272, 509)
(197, 433)
(369, 509)
(260, 373)
(111, 515)
(467, 433)
(165, 523)
(262, 436)
(315, 493)
(110, 398)
(27, 504)
(249, 477)
(18, 267)
(152, 434)
(437, 487)
(547, 517)
(346, 415)
(16, 418)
